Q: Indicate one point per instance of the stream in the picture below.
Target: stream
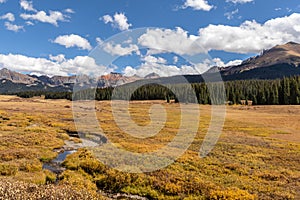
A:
(55, 165)
(70, 147)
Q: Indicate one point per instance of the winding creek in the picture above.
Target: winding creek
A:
(70, 147)
(56, 164)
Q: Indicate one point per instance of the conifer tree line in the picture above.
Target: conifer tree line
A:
(48, 95)
(284, 91)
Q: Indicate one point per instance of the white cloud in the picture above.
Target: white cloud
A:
(230, 15)
(73, 41)
(118, 50)
(82, 64)
(297, 28)
(29, 64)
(107, 19)
(8, 16)
(173, 41)
(152, 59)
(175, 59)
(250, 36)
(239, 1)
(160, 66)
(53, 18)
(58, 58)
(99, 41)
(204, 65)
(197, 5)
(59, 65)
(29, 23)
(233, 63)
(27, 5)
(218, 62)
(69, 10)
(13, 27)
(119, 20)
(2, 1)
(163, 70)
(289, 9)
(129, 71)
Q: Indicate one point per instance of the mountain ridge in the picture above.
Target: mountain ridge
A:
(288, 53)
(277, 62)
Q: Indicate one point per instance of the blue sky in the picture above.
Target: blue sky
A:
(55, 37)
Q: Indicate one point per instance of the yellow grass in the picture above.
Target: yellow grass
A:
(256, 157)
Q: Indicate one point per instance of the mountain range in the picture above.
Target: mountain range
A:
(277, 62)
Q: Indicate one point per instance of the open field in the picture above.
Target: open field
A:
(256, 157)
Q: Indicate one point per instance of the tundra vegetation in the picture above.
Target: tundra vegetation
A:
(256, 157)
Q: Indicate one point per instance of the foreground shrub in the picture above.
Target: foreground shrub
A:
(231, 194)
(8, 170)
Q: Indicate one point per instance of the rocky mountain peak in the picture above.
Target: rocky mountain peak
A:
(16, 77)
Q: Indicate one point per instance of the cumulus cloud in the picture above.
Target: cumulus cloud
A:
(239, 1)
(27, 5)
(218, 62)
(56, 66)
(230, 15)
(99, 41)
(173, 41)
(29, 23)
(58, 58)
(13, 27)
(119, 50)
(233, 63)
(161, 67)
(119, 20)
(251, 36)
(30, 64)
(73, 41)
(60, 65)
(2, 1)
(84, 65)
(129, 71)
(8, 16)
(53, 18)
(152, 59)
(175, 59)
(69, 10)
(107, 19)
(163, 70)
(197, 5)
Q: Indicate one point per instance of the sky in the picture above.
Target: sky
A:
(138, 37)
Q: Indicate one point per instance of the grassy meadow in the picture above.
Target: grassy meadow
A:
(256, 157)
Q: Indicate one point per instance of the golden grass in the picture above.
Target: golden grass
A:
(256, 157)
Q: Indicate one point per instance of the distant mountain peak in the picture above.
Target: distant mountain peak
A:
(288, 54)
(292, 43)
(16, 77)
(152, 76)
